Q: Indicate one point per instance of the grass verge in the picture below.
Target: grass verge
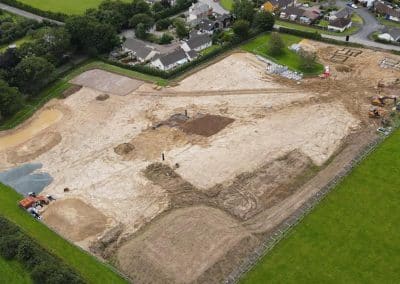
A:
(351, 236)
(226, 4)
(288, 57)
(69, 7)
(60, 85)
(88, 266)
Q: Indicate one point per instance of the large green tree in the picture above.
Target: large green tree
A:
(90, 35)
(241, 28)
(243, 10)
(275, 46)
(180, 28)
(10, 100)
(142, 18)
(264, 21)
(32, 73)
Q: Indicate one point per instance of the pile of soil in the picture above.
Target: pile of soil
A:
(206, 125)
(174, 120)
(102, 97)
(124, 149)
(343, 68)
(70, 91)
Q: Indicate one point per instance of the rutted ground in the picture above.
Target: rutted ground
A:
(248, 143)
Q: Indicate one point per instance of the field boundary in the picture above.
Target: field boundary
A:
(282, 230)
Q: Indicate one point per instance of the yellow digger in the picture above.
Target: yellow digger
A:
(381, 100)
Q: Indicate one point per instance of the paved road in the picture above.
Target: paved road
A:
(26, 14)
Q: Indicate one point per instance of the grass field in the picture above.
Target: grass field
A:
(288, 57)
(70, 7)
(352, 236)
(56, 89)
(89, 267)
(226, 4)
(12, 272)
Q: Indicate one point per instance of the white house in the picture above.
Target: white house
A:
(137, 49)
(340, 24)
(171, 60)
(197, 42)
(391, 35)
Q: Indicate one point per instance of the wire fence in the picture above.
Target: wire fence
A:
(282, 230)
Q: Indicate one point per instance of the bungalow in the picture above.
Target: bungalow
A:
(342, 13)
(170, 60)
(275, 5)
(392, 34)
(137, 49)
(197, 42)
(292, 13)
(339, 25)
(197, 12)
(388, 11)
(304, 15)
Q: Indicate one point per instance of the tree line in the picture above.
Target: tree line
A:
(26, 70)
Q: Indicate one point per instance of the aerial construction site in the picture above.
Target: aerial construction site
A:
(180, 184)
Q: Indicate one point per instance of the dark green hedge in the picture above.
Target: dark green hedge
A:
(310, 35)
(47, 14)
(43, 267)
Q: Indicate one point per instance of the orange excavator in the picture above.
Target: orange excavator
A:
(381, 100)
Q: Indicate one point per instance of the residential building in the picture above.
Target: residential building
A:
(391, 34)
(342, 13)
(137, 49)
(276, 5)
(170, 60)
(197, 12)
(304, 15)
(340, 24)
(387, 10)
(197, 42)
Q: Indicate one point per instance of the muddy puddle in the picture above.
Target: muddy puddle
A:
(45, 119)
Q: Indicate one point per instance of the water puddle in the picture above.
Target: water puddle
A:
(45, 119)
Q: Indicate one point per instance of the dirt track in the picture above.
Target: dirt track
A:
(194, 216)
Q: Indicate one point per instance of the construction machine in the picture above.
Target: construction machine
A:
(381, 100)
(375, 113)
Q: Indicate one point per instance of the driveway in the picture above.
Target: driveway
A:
(26, 14)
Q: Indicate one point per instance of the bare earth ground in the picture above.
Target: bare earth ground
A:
(251, 150)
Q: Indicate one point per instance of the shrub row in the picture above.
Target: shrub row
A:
(43, 267)
(47, 14)
(310, 35)
(173, 10)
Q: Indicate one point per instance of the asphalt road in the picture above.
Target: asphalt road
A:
(26, 14)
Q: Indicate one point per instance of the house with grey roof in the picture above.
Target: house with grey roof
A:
(197, 42)
(197, 12)
(391, 34)
(170, 60)
(339, 24)
(388, 10)
(342, 13)
(137, 49)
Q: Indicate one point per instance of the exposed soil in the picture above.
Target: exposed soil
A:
(206, 125)
(228, 177)
(124, 149)
(74, 219)
(71, 90)
(102, 97)
(181, 246)
(34, 147)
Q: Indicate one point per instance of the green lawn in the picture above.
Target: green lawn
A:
(89, 267)
(17, 42)
(388, 23)
(226, 4)
(12, 272)
(352, 236)
(288, 58)
(70, 7)
(57, 88)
